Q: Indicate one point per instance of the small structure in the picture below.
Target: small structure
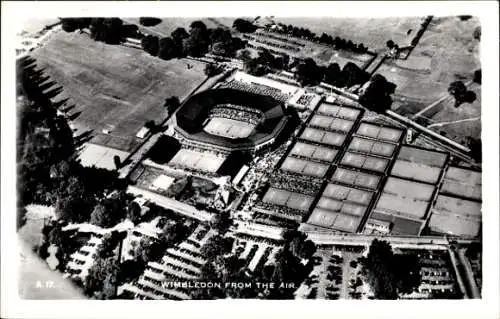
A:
(143, 132)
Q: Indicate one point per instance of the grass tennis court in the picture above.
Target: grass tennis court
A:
(417, 172)
(289, 199)
(339, 111)
(197, 160)
(300, 166)
(407, 198)
(314, 151)
(364, 161)
(462, 182)
(356, 178)
(379, 132)
(367, 146)
(331, 123)
(422, 156)
(113, 86)
(229, 128)
(324, 137)
(334, 220)
(344, 193)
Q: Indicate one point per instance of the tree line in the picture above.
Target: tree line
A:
(304, 33)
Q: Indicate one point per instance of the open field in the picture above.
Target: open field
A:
(457, 123)
(114, 87)
(446, 52)
(373, 33)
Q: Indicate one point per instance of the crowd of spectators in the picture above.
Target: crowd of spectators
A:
(257, 89)
(273, 44)
(237, 112)
(305, 184)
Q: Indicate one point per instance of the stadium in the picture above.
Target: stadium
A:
(228, 120)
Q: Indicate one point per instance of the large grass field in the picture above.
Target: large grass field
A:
(114, 85)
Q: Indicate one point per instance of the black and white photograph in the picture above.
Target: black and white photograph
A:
(180, 157)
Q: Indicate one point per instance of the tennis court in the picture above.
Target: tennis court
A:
(314, 151)
(407, 198)
(228, 128)
(289, 199)
(300, 166)
(324, 137)
(379, 132)
(354, 178)
(197, 160)
(344, 193)
(334, 220)
(339, 111)
(422, 156)
(331, 123)
(365, 161)
(462, 182)
(367, 146)
(414, 171)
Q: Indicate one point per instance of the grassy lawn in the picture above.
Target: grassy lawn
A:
(114, 85)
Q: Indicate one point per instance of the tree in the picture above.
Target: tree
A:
(244, 55)
(377, 97)
(73, 24)
(108, 30)
(333, 74)
(477, 33)
(168, 49)
(117, 161)
(390, 44)
(134, 212)
(353, 75)
(179, 34)
(211, 69)
(389, 274)
(476, 147)
(221, 222)
(477, 76)
(244, 26)
(308, 72)
(197, 43)
(150, 124)
(172, 103)
(198, 25)
(151, 44)
(459, 91)
(149, 21)
(102, 279)
(216, 246)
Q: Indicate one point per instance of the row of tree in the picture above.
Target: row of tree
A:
(108, 30)
(337, 42)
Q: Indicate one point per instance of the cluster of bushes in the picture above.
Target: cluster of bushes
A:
(377, 96)
(337, 42)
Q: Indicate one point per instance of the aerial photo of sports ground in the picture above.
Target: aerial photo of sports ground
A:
(250, 158)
